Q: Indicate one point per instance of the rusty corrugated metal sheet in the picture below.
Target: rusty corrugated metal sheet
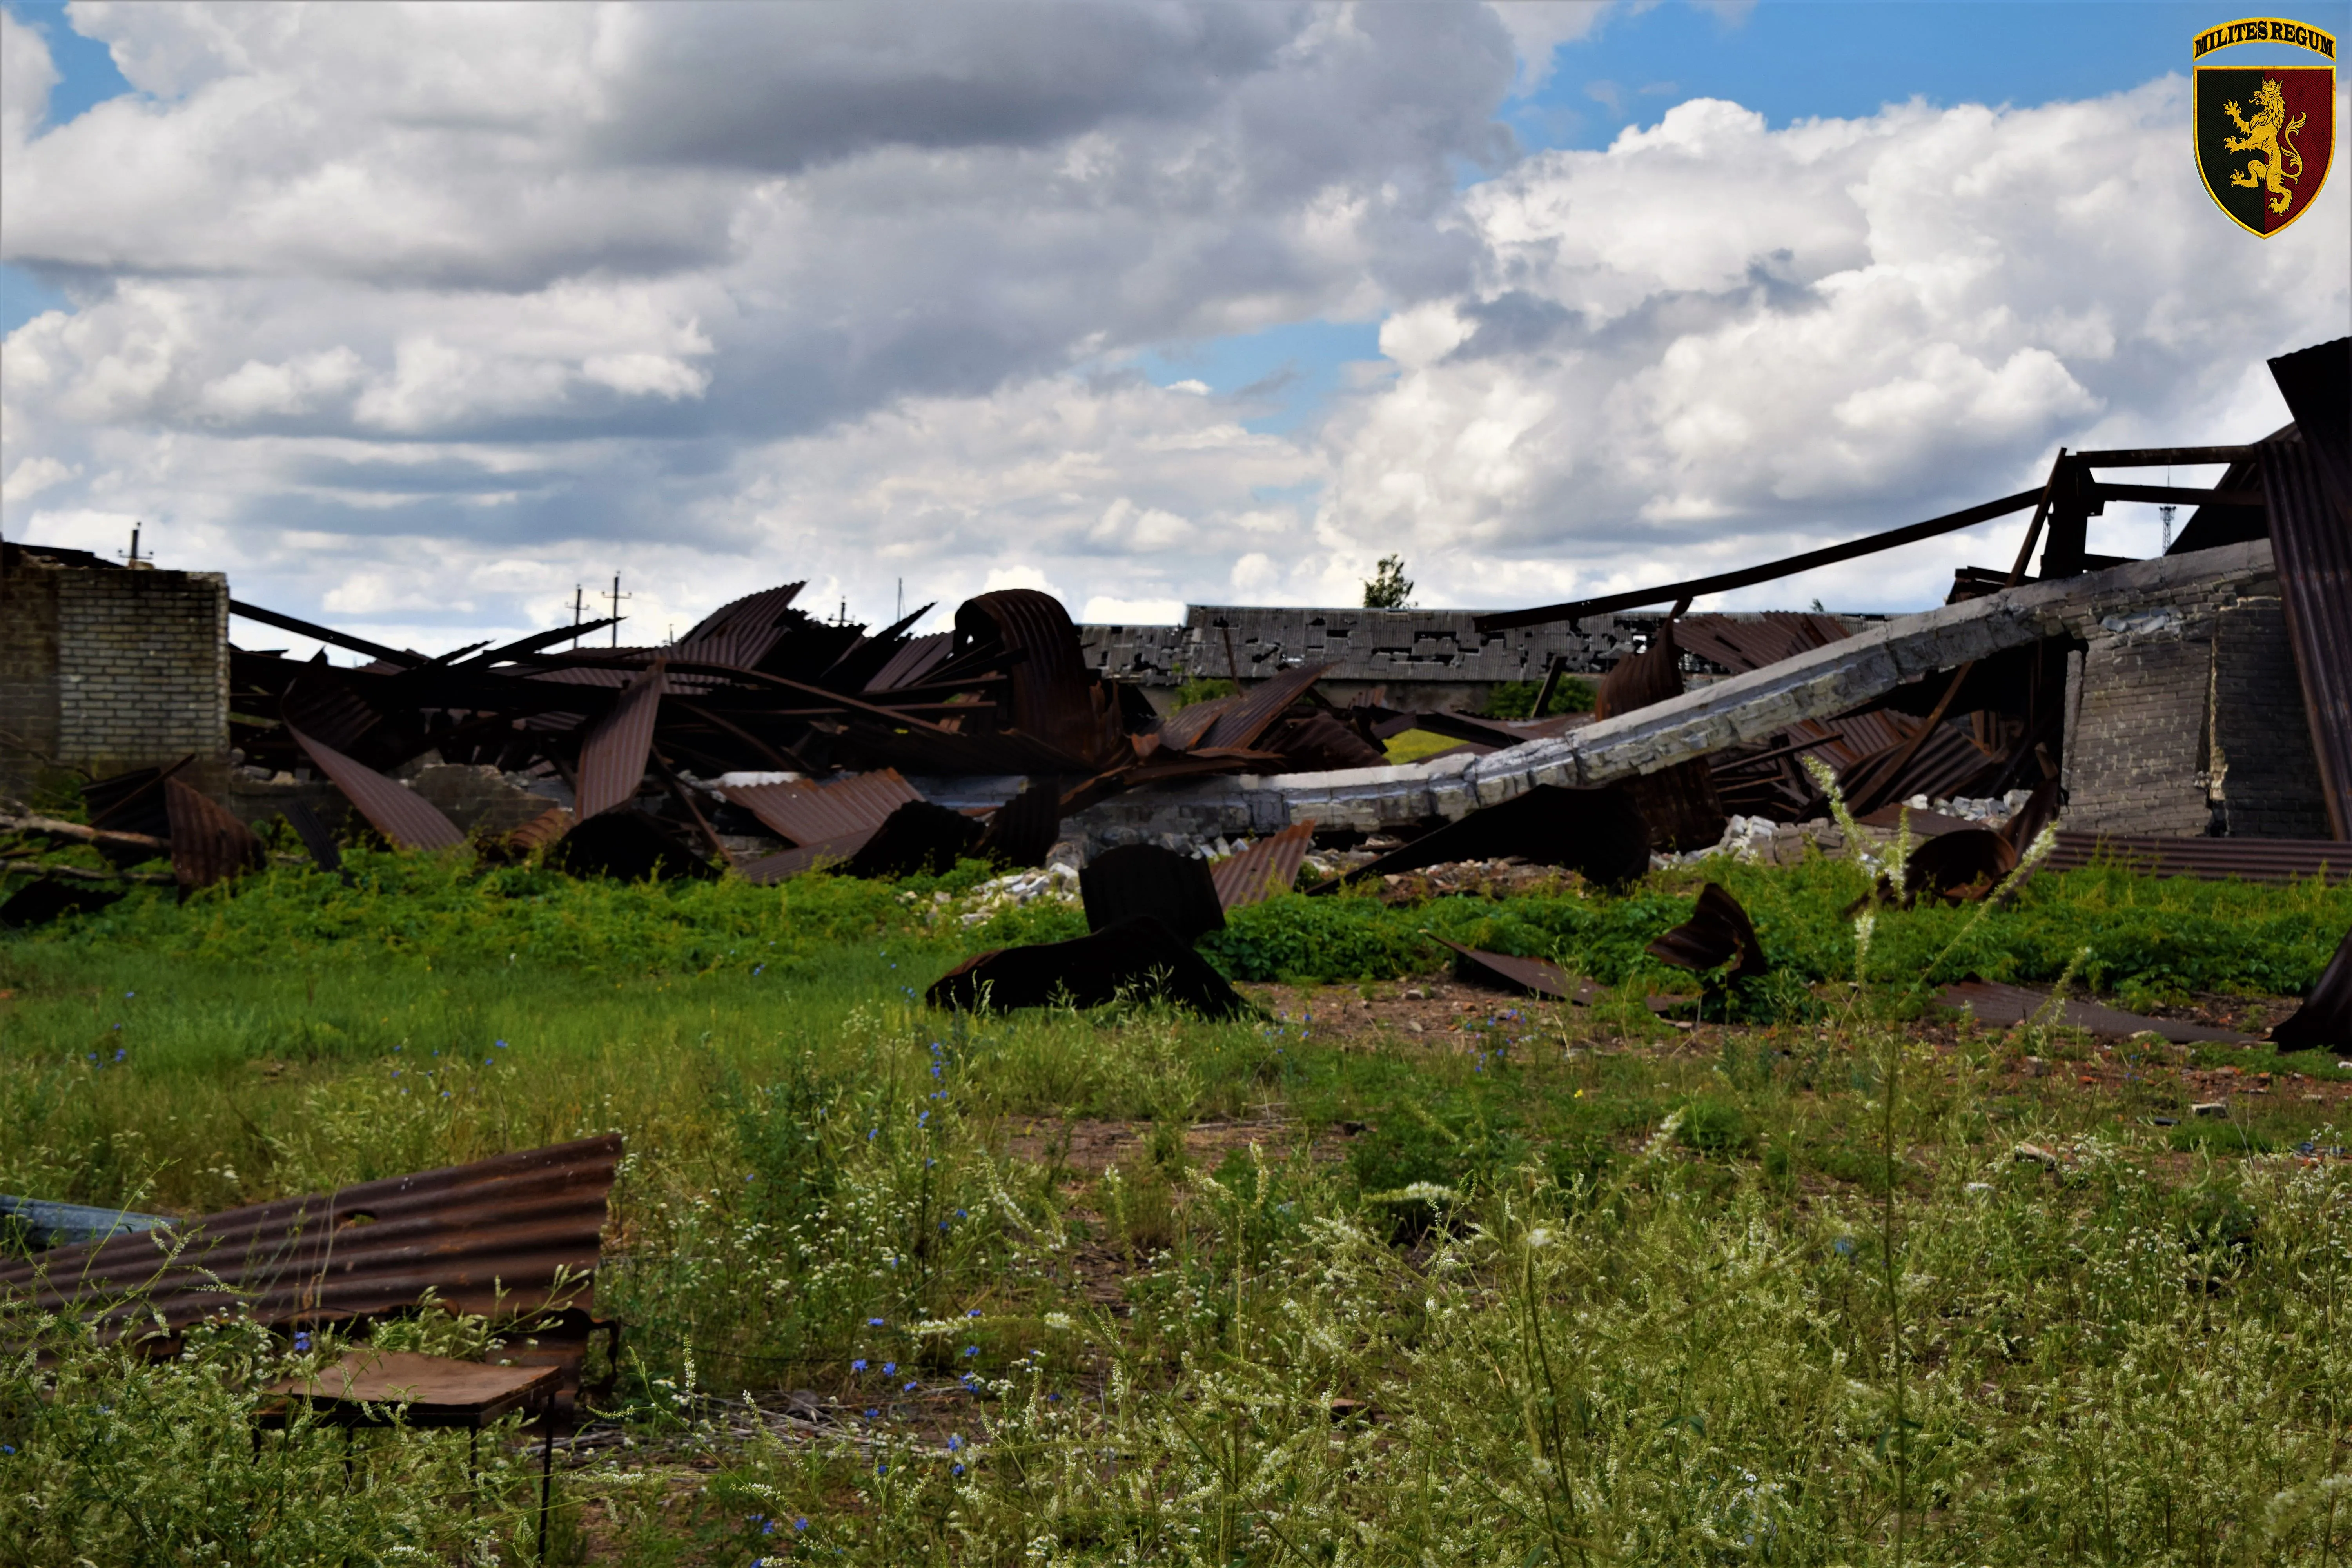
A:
(400, 813)
(208, 844)
(1740, 645)
(2214, 860)
(1522, 977)
(742, 632)
(2311, 541)
(911, 664)
(1055, 698)
(1995, 1004)
(1134, 959)
(1182, 731)
(803, 813)
(1267, 868)
(1679, 803)
(1134, 879)
(1598, 833)
(613, 755)
(1719, 932)
(489, 1237)
(1240, 724)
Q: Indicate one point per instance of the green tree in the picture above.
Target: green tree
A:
(1389, 588)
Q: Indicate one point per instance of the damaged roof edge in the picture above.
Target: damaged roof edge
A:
(1820, 684)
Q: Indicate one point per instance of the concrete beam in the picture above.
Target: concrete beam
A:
(1820, 684)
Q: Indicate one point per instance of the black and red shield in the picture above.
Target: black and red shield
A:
(2265, 138)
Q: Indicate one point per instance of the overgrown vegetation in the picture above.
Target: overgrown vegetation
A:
(1555, 1285)
(1517, 698)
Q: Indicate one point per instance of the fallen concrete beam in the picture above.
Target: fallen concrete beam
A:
(1819, 684)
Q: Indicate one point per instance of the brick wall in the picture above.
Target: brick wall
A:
(104, 668)
(28, 675)
(143, 667)
(2140, 742)
(2188, 720)
(2265, 775)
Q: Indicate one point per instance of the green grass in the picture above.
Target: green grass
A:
(1598, 1290)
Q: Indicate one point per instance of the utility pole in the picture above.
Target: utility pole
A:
(616, 596)
(2165, 512)
(578, 604)
(902, 601)
(131, 559)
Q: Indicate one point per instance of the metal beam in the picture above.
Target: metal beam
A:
(1788, 566)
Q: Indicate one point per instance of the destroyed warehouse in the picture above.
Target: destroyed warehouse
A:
(2196, 705)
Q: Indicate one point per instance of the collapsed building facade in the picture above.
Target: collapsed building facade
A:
(2206, 694)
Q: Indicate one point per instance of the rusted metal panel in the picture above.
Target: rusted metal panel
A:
(1055, 698)
(1255, 711)
(2311, 541)
(489, 1237)
(1178, 891)
(628, 846)
(1719, 932)
(1136, 959)
(614, 753)
(2214, 860)
(1596, 833)
(741, 631)
(911, 664)
(1267, 868)
(1022, 831)
(2005, 1005)
(1520, 976)
(1679, 803)
(2324, 1022)
(800, 812)
(392, 809)
(208, 844)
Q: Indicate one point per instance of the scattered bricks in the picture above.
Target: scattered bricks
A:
(2209, 1108)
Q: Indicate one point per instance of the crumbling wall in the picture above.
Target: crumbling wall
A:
(2264, 776)
(2136, 760)
(1417, 658)
(2189, 721)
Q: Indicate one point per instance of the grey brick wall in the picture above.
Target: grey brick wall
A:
(28, 675)
(106, 668)
(2188, 719)
(1432, 659)
(2265, 775)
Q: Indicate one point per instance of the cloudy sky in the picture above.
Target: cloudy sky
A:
(413, 318)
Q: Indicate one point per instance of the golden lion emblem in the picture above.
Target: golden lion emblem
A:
(2271, 133)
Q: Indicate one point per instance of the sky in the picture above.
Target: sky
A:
(417, 319)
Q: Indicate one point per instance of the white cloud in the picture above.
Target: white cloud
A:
(1777, 339)
(27, 74)
(33, 475)
(432, 313)
(1102, 610)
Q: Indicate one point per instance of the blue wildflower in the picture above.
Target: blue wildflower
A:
(889, 1369)
(974, 1313)
(801, 1523)
(873, 1322)
(910, 1388)
(972, 1350)
(119, 1053)
(954, 1443)
(302, 1342)
(857, 1365)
